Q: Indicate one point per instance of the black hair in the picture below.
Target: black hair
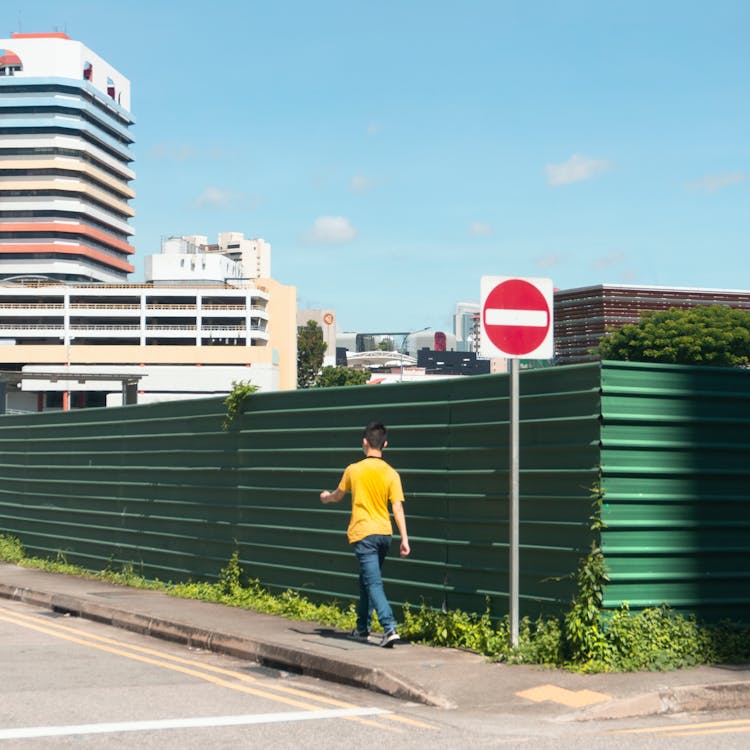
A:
(375, 434)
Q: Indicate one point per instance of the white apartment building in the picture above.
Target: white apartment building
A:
(253, 254)
(64, 162)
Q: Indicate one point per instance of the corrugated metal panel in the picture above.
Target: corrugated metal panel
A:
(449, 441)
(675, 469)
(165, 487)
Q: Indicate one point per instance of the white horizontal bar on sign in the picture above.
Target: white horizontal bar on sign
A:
(502, 317)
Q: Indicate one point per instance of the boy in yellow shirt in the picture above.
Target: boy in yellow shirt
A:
(372, 483)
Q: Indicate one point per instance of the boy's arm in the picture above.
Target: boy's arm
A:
(400, 519)
(332, 497)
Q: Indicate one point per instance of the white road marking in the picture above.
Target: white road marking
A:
(496, 316)
(204, 722)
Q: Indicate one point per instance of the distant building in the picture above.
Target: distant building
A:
(583, 315)
(399, 341)
(326, 319)
(369, 342)
(253, 254)
(399, 356)
(452, 363)
(437, 341)
(190, 258)
(467, 327)
(187, 260)
(64, 162)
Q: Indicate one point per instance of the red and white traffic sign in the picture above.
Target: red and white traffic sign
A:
(517, 317)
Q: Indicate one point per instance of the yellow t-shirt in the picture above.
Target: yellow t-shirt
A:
(372, 483)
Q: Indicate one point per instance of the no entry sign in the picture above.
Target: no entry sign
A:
(517, 317)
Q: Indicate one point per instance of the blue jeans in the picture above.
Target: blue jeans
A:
(371, 552)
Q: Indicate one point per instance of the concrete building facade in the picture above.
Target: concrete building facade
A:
(64, 162)
(467, 327)
(182, 341)
(584, 314)
(326, 319)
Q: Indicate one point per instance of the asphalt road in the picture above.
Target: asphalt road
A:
(71, 682)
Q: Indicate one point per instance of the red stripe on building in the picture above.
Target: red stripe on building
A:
(88, 252)
(33, 227)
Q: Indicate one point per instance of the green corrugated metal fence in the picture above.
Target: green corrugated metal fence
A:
(165, 487)
(162, 486)
(676, 471)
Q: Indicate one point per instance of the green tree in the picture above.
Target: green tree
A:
(332, 377)
(706, 335)
(310, 351)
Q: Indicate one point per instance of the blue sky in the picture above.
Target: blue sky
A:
(394, 152)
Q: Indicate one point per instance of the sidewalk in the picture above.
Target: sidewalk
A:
(445, 678)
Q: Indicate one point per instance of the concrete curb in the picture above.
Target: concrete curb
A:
(270, 654)
(672, 700)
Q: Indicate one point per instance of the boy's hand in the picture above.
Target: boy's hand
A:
(331, 497)
(405, 548)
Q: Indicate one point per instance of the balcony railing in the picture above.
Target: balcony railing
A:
(125, 327)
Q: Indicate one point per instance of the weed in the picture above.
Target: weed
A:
(241, 390)
(581, 640)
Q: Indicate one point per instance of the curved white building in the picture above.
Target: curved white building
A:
(64, 162)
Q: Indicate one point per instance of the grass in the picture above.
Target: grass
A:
(651, 639)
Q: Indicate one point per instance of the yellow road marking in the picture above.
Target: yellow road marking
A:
(161, 661)
(727, 730)
(570, 698)
(181, 660)
(705, 727)
(411, 722)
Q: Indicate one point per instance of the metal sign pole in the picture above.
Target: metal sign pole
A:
(517, 321)
(513, 503)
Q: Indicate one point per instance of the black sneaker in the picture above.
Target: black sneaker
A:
(389, 639)
(359, 636)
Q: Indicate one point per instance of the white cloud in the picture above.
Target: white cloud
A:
(172, 152)
(614, 258)
(374, 128)
(331, 230)
(361, 183)
(548, 261)
(712, 183)
(576, 169)
(481, 229)
(216, 197)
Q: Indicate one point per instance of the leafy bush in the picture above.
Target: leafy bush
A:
(705, 335)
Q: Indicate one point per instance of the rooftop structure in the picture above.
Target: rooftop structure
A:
(189, 258)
